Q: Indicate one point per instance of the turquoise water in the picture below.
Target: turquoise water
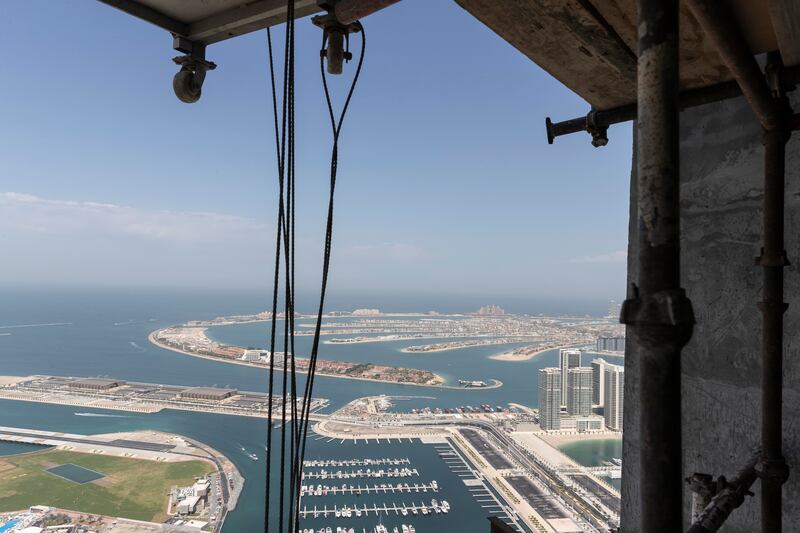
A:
(107, 336)
(594, 452)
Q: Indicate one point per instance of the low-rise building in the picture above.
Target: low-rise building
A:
(189, 505)
(201, 487)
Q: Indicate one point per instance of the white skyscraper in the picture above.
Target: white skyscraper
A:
(567, 359)
(598, 382)
(614, 393)
(550, 398)
(579, 391)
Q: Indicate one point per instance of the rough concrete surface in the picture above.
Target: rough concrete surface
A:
(721, 190)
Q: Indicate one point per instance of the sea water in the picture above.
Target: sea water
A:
(104, 333)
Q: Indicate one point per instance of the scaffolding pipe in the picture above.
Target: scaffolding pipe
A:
(727, 497)
(719, 24)
(599, 119)
(773, 261)
(773, 112)
(658, 314)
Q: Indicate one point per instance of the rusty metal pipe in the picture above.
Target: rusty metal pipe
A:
(658, 314)
(729, 495)
(773, 261)
(718, 22)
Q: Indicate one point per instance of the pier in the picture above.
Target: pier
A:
(347, 474)
(367, 510)
(357, 462)
(325, 490)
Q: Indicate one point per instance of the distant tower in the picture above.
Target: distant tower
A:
(614, 386)
(567, 359)
(579, 391)
(598, 382)
(614, 309)
(550, 398)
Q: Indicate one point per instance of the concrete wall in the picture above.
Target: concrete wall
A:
(721, 176)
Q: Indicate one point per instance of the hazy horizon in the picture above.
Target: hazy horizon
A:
(446, 182)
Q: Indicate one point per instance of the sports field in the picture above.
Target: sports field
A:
(130, 488)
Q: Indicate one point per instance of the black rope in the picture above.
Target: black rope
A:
(285, 154)
(336, 127)
(285, 236)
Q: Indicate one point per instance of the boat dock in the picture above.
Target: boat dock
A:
(366, 510)
(324, 490)
(347, 474)
(358, 462)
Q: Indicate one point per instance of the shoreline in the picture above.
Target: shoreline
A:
(448, 347)
(151, 337)
(510, 356)
(557, 440)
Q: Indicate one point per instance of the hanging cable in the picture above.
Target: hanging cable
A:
(336, 126)
(284, 142)
(285, 238)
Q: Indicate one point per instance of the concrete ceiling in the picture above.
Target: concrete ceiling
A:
(589, 45)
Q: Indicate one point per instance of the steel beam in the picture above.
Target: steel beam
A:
(150, 15)
(246, 18)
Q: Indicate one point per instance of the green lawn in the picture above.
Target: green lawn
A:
(132, 488)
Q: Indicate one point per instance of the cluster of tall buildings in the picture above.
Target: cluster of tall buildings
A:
(569, 394)
(610, 344)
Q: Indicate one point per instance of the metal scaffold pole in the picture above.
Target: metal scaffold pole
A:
(658, 314)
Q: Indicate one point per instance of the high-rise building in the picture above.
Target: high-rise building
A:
(614, 392)
(610, 344)
(614, 309)
(598, 381)
(567, 359)
(550, 398)
(579, 391)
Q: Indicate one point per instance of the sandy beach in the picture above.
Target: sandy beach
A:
(511, 356)
(440, 381)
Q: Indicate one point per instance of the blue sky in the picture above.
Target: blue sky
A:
(446, 182)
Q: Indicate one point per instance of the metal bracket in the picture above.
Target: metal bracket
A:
(337, 38)
(667, 317)
(775, 470)
(772, 261)
(598, 131)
